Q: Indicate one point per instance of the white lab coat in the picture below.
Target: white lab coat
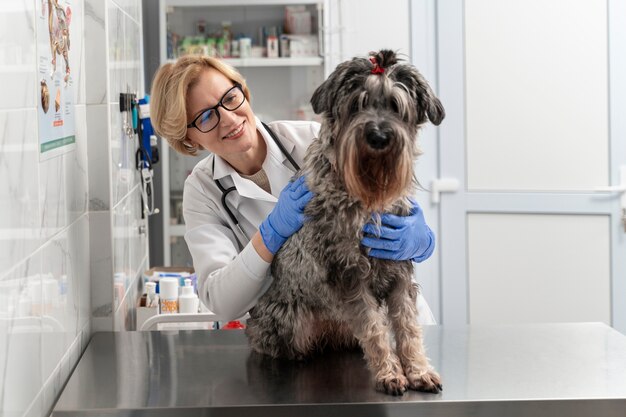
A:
(231, 275)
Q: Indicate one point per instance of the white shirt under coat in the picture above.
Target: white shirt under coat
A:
(231, 274)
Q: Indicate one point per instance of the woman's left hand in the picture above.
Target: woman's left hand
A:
(287, 216)
(400, 238)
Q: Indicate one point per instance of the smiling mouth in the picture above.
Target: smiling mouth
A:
(235, 132)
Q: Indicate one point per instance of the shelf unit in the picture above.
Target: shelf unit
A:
(271, 62)
(279, 86)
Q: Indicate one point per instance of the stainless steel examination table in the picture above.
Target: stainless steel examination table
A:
(523, 370)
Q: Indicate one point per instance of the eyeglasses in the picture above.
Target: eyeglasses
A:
(210, 118)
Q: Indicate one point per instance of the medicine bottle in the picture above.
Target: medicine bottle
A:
(168, 290)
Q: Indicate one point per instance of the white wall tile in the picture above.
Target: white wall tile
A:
(132, 52)
(79, 252)
(125, 316)
(97, 119)
(59, 284)
(19, 200)
(96, 57)
(17, 55)
(85, 336)
(124, 176)
(75, 164)
(131, 8)
(77, 52)
(121, 251)
(137, 232)
(101, 270)
(116, 41)
(52, 196)
(21, 308)
(37, 407)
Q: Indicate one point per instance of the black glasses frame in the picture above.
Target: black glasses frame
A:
(216, 108)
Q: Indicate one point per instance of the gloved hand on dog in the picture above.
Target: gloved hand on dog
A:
(400, 238)
(287, 217)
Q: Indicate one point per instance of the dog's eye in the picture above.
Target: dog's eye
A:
(364, 98)
(395, 106)
(398, 106)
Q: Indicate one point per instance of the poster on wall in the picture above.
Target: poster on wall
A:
(55, 108)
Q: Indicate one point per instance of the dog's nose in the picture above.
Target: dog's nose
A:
(377, 139)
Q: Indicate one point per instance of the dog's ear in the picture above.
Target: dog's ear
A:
(321, 97)
(427, 104)
(434, 109)
(325, 95)
(346, 77)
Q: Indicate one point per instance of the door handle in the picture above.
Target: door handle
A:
(621, 188)
(442, 185)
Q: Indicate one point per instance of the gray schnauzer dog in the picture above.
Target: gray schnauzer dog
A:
(327, 292)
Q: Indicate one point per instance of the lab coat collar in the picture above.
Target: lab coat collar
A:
(221, 168)
(272, 147)
(278, 180)
(245, 187)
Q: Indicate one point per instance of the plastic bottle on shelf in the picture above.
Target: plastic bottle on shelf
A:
(168, 290)
(188, 300)
(152, 299)
(227, 35)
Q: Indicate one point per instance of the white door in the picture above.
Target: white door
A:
(535, 97)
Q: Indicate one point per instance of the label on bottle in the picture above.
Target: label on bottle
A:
(169, 306)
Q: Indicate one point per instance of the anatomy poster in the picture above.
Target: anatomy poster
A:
(55, 104)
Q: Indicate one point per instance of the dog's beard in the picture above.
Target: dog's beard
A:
(376, 178)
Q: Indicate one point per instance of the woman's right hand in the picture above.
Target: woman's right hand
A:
(287, 217)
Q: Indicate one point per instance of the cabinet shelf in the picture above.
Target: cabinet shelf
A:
(234, 3)
(272, 62)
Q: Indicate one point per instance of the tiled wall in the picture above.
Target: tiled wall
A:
(71, 250)
(118, 247)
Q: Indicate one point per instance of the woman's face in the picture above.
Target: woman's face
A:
(235, 132)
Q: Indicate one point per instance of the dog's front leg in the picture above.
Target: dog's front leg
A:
(409, 340)
(369, 326)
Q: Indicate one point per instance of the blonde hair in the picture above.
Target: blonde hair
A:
(168, 101)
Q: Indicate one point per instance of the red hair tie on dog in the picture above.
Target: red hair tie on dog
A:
(377, 68)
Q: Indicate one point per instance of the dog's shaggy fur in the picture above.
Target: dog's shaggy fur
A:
(327, 292)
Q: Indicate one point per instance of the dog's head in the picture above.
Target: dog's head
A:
(371, 112)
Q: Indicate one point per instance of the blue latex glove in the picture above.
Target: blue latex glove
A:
(400, 238)
(287, 216)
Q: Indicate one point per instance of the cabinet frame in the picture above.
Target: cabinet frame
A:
(323, 8)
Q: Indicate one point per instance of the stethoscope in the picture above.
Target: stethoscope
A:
(226, 191)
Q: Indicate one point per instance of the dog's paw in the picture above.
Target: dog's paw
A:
(428, 382)
(393, 385)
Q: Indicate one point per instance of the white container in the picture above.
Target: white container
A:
(188, 300)
(168, 291)
(152, 300)
(272, 47)
(245, 47)
(234, 48)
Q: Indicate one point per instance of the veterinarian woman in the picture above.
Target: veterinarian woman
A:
(238, 203)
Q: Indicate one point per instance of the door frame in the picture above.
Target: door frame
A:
(423, 47)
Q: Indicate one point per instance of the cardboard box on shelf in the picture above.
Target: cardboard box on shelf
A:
(155, 273)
